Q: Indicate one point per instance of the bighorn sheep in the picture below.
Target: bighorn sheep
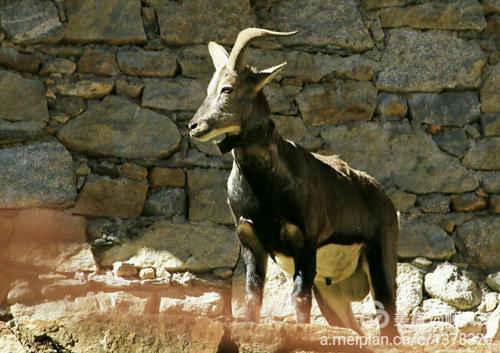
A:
(329, 226)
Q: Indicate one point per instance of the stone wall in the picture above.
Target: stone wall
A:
(107, 205)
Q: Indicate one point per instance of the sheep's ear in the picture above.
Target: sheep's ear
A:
(218, 53)
(265, 76)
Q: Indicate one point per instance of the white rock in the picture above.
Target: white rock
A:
(466, 322)
(147, 273)
(410, 282)
(453, 287)
(123, 269)
(208, 304)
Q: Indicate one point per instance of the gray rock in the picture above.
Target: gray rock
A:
(201, 21)
(391, 105)
(446, 109)
(29, 20)
(410, 288)
(90, 22)
(434, 203)
(294, 129)
(314, 20)
(106, 197)
(452, 140)
(399, 153)
(457, 15)
(36, 175)
(479, 241)
(165, 202)
(147, 63)
(17, 131)
(410, 59)
(491, 124)
(490, 92)
(338, 102)
(418, 238)
(73, 106)
(208, 304)
(483, 154)
(21, 98)
(453, 287)
(174, 94)
(493, 281)
(118, 127)
(490, 181)
(178, 247)
(208, 196)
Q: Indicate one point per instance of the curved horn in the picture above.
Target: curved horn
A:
(237, 57)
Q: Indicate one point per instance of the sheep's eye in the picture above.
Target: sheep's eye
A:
(227, 89)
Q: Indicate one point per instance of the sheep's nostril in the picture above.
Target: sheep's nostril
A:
(193, 126)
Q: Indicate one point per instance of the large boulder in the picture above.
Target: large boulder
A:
(178, 247)
(401, 154)
(410, 59)
(90, 21)
(35, 175)
(22, 98)
(118, 127)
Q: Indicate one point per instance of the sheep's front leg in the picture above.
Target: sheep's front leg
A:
(303, 280)
(255, 259)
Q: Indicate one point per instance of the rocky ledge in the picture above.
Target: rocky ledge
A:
(183, 333)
